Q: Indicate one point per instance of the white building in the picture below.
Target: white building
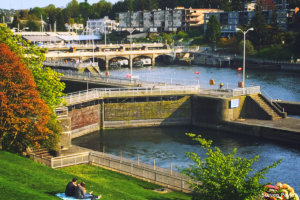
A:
(74, 27)
(103, 26)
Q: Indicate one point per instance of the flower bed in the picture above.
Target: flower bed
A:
(280, 192)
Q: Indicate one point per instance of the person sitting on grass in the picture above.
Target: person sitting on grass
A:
(70, 188)
(80, 192)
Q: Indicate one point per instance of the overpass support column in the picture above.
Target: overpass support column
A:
(106, 64)
(153, 60)
(130, 65)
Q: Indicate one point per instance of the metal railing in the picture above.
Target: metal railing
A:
(68, 64)
(99, 93)
(133, 168)
(89, 77)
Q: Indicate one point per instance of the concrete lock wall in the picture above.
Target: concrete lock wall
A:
(85, 118)
(120, 115)
(213, 110)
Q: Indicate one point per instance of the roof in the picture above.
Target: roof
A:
(41, 38)
(80, 37)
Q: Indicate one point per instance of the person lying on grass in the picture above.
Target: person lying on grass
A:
(80, 192)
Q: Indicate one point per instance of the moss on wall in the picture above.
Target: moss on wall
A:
(180, 108)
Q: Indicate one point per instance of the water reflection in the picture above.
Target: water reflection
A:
(168, 145)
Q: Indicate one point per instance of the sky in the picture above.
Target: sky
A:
(26, 4)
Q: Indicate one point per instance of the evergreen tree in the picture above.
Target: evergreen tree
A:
(213, 31)
(258, 37)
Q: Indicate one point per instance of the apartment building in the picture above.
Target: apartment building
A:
(194, 17)
(229, 21)
(102, 25)
(168, 20)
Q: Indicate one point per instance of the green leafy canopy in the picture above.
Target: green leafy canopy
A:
(224, 176)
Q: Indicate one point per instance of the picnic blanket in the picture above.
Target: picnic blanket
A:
(64, 197)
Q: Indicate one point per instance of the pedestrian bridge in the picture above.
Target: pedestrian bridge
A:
(107, 93)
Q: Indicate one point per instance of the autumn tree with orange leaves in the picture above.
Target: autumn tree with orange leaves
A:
(23, 114)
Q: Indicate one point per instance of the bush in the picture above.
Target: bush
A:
(224, 176)
(275, 52)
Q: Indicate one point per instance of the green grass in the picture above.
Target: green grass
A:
(21, 178)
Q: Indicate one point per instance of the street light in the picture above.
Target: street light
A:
(104, 32)
(92, 30)
(244, 58)
(130, 30)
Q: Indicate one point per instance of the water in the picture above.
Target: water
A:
(168, 145)
(274, 84)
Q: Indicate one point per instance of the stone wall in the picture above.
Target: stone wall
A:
(147, 113)
(84, 115)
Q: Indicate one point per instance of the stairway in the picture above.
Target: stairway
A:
(42, 153)
(93, 70)
(270, 110)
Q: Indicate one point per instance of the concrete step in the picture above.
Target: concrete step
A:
(266, 107)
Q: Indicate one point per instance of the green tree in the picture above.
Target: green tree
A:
(73, 8)
(213, 31)
(85, 10)
(248, 46)
(32, 25)
(224, 176)
(259, 36)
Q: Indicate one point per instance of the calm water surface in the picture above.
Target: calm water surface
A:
(168, 145)
(274, 84)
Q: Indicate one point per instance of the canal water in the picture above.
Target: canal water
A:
(274, 84)
(168, 145)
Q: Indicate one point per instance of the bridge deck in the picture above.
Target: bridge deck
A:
(97, 93)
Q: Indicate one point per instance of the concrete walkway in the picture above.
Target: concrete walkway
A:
(74, 150)
(289, 124)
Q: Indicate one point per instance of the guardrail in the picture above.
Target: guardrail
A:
(133, 168)
(98, 93)
(68, 64)
(86, 76)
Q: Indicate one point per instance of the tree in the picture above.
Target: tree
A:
(73, 8)
(259, 36)
(213, 31)
(47, 81)
(248, 46)
(23, 114)
(32, 25)
(224, 176)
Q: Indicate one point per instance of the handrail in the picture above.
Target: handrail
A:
(270, 98)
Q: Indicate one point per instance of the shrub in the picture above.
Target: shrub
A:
(224, 176)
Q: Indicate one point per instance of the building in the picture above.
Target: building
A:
(250, 6)
(168, 20)
(229, 21)
(194, 17)
(74, 27)
(103, 26)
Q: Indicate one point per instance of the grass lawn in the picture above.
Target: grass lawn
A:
(21, 178)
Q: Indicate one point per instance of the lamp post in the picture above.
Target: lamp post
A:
(104, 32)
(93, 44)
(130, 30)
(244, 57)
